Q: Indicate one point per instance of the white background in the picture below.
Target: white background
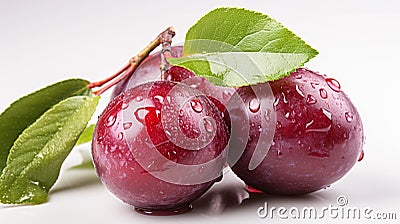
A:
(45, 41)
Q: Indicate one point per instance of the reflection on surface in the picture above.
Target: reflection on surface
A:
(230, 195)
(220, 198)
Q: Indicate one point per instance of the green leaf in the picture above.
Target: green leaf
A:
(87, 164)
(237, 47)
(23, 112)
(87, 134)
(36, 157)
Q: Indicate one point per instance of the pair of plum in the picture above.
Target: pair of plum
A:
(160, 144)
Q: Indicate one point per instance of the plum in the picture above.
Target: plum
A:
(309, 133)
(159, 146)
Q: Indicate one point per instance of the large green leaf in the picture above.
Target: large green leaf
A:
(238, 47)
(23, 112)
(36, 157)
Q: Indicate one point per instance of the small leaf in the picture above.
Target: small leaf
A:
(23, 112)
(237, 47)
(87, 164)
(87, 134)
(36, 157)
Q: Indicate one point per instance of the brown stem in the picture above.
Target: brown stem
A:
(164, 38)
(166, 53)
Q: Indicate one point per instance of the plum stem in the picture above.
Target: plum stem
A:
(166, 53)
(164, 38)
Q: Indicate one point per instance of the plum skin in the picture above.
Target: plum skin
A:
(318, 136)
(114, 152)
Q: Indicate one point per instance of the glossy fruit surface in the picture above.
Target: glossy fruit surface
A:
(160, 145)
(318, 134)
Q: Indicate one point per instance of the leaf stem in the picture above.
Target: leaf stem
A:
(164, 38)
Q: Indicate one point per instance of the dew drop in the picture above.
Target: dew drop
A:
(139, 98)
(276, 102)
(196, 105)
(208, 125)
(127, 125)
(168, 98)
(308, 125)
(333, 84)
(327, 113)
(284, 98)
(201, 169)
(279, 153)
(120, 136)
(299, 91)
(278, 125)
(348, 116)
(287, 115)
(314, 84)
(361, 156)
(140, 114)
(159, 98)
(298, 75)
(254, 105)
(310, 99)
(323, 93)
(125, 106)
(158, 113)
(181, 113)
(111, 120)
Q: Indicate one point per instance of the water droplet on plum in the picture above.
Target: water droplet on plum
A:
(140, 114)
(323, 93)
(311, 99)
(254, 105)
(196, 105)
(127, 125)
(139, 98)
(327, 113)
(278, 125)
(348, 116)
(159, 98)
(314, 84)
(208, 125)
(111, 120)
(125, 106)
(120, 136)
(298, 75)
(299, 91)
(333, 84)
